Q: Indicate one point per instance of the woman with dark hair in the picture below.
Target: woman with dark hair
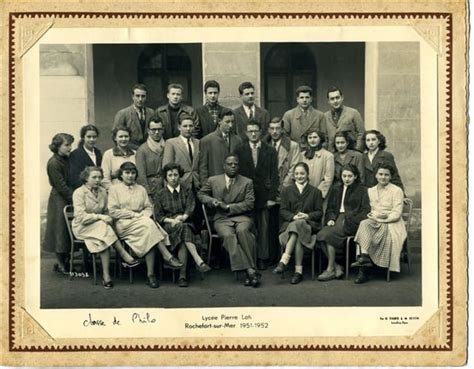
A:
(131, 208)
(319, 160)
(174, 205)
(93, 225)
(348, 204)
(115, 157)
(382, 235)
(56, 237)
(301, 210)
(86, 155)
(344, 154)
(375, 144)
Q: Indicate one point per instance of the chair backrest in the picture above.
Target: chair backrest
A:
(68, 212)
(407, 212)
(206, 220)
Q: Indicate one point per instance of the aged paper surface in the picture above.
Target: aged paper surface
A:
(430, 333)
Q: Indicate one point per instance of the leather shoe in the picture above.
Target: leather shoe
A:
(327, 275)
(261, 264)
(361, 277)
(173, 263)
(182, 282)
(132, 264)
(362, 262)
(256, 280)
(280, 268)
(297, 278)
(107, 285)
(153, 282)
(248, 282)
(203, 267)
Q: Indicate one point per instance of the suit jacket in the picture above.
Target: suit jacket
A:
(206, 123)
(287, 154)
(240, 197)
(381, 156)
(264, 176)
(172, 131)
(350, 120)
(356, 205)
(213, 151)
(261, 115)
(176, 151)
(78, 161)
(309, 201)
(296, 126)
(128, 117)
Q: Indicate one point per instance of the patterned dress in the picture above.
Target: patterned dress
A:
(170, 204)
(384, 241)
(132, 210)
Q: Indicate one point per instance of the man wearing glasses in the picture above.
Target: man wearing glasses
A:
(149, 157)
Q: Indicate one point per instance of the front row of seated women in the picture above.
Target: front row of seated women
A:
(130, 210)
(372, 215)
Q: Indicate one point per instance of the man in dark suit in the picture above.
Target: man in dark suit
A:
(249, 111)
(259, 162)
(171, 112)
(135, 117)
(208, 114)
(216, 146)
(232, 197)
(343, 118)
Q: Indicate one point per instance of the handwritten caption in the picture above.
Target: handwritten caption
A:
(224, 321)
(135, 318)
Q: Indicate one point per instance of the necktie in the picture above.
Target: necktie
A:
(190, 150)
(275, 145)
(141, 119)
(254, 154)
(251, 114)
(226, 139)
(230, 183)
(175, 195)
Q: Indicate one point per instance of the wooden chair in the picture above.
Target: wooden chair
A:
(76, 244)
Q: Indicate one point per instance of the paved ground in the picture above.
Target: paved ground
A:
(219, 289)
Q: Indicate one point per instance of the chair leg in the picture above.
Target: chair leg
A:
(388, 274)
(209, 251)
(312, 263)
(94, 268)
(130, 275)
(408, 256)
(71, 262)
(348, 245)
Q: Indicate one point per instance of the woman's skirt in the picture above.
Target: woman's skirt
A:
(376, 240)
(335, 235)
(302, 230)
(141, 234)
(56, 237)
(98, 236)
(182, 232)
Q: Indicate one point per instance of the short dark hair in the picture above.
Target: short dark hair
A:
(252, 122)
(351, 168)
(185, 116)
(333, 89)
(304, 88)
(175, 85)
(303, 165)
(245, 85)
(276, 120)
(322, 136)
(380, 137)
(121, 128)
(59, 139)
(84, 176)
(84, 130)
(139, 86)
(212, 83)
(155, 118)
(385, 165)
(172, 166)
(128, 165)
(347, 137)
(226, 113)
(232, 155)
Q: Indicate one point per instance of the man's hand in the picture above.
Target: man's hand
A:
(331, 223)
(270, 203)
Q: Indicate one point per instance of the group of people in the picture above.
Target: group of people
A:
(275, 187)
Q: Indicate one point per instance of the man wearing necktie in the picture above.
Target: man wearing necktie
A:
(259, 162)
(135, 117)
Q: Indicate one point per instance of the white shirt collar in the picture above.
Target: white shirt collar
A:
(258, 144)
(171, 189)
(227, 179)
(301, 187)
(185, 140)
(247, 110)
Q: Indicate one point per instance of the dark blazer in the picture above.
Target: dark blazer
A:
(309, 202)
(265, 176)
(128, 117)
(172, 131)
(213, 150)
(369, 168)
(240, 198)
(206, 123)
(356, 205)
(78, 161)
(261, 115)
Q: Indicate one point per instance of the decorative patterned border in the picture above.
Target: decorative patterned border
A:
(172, 348)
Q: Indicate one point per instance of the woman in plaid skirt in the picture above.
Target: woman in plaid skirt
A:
(174, 205)
(382, 235)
